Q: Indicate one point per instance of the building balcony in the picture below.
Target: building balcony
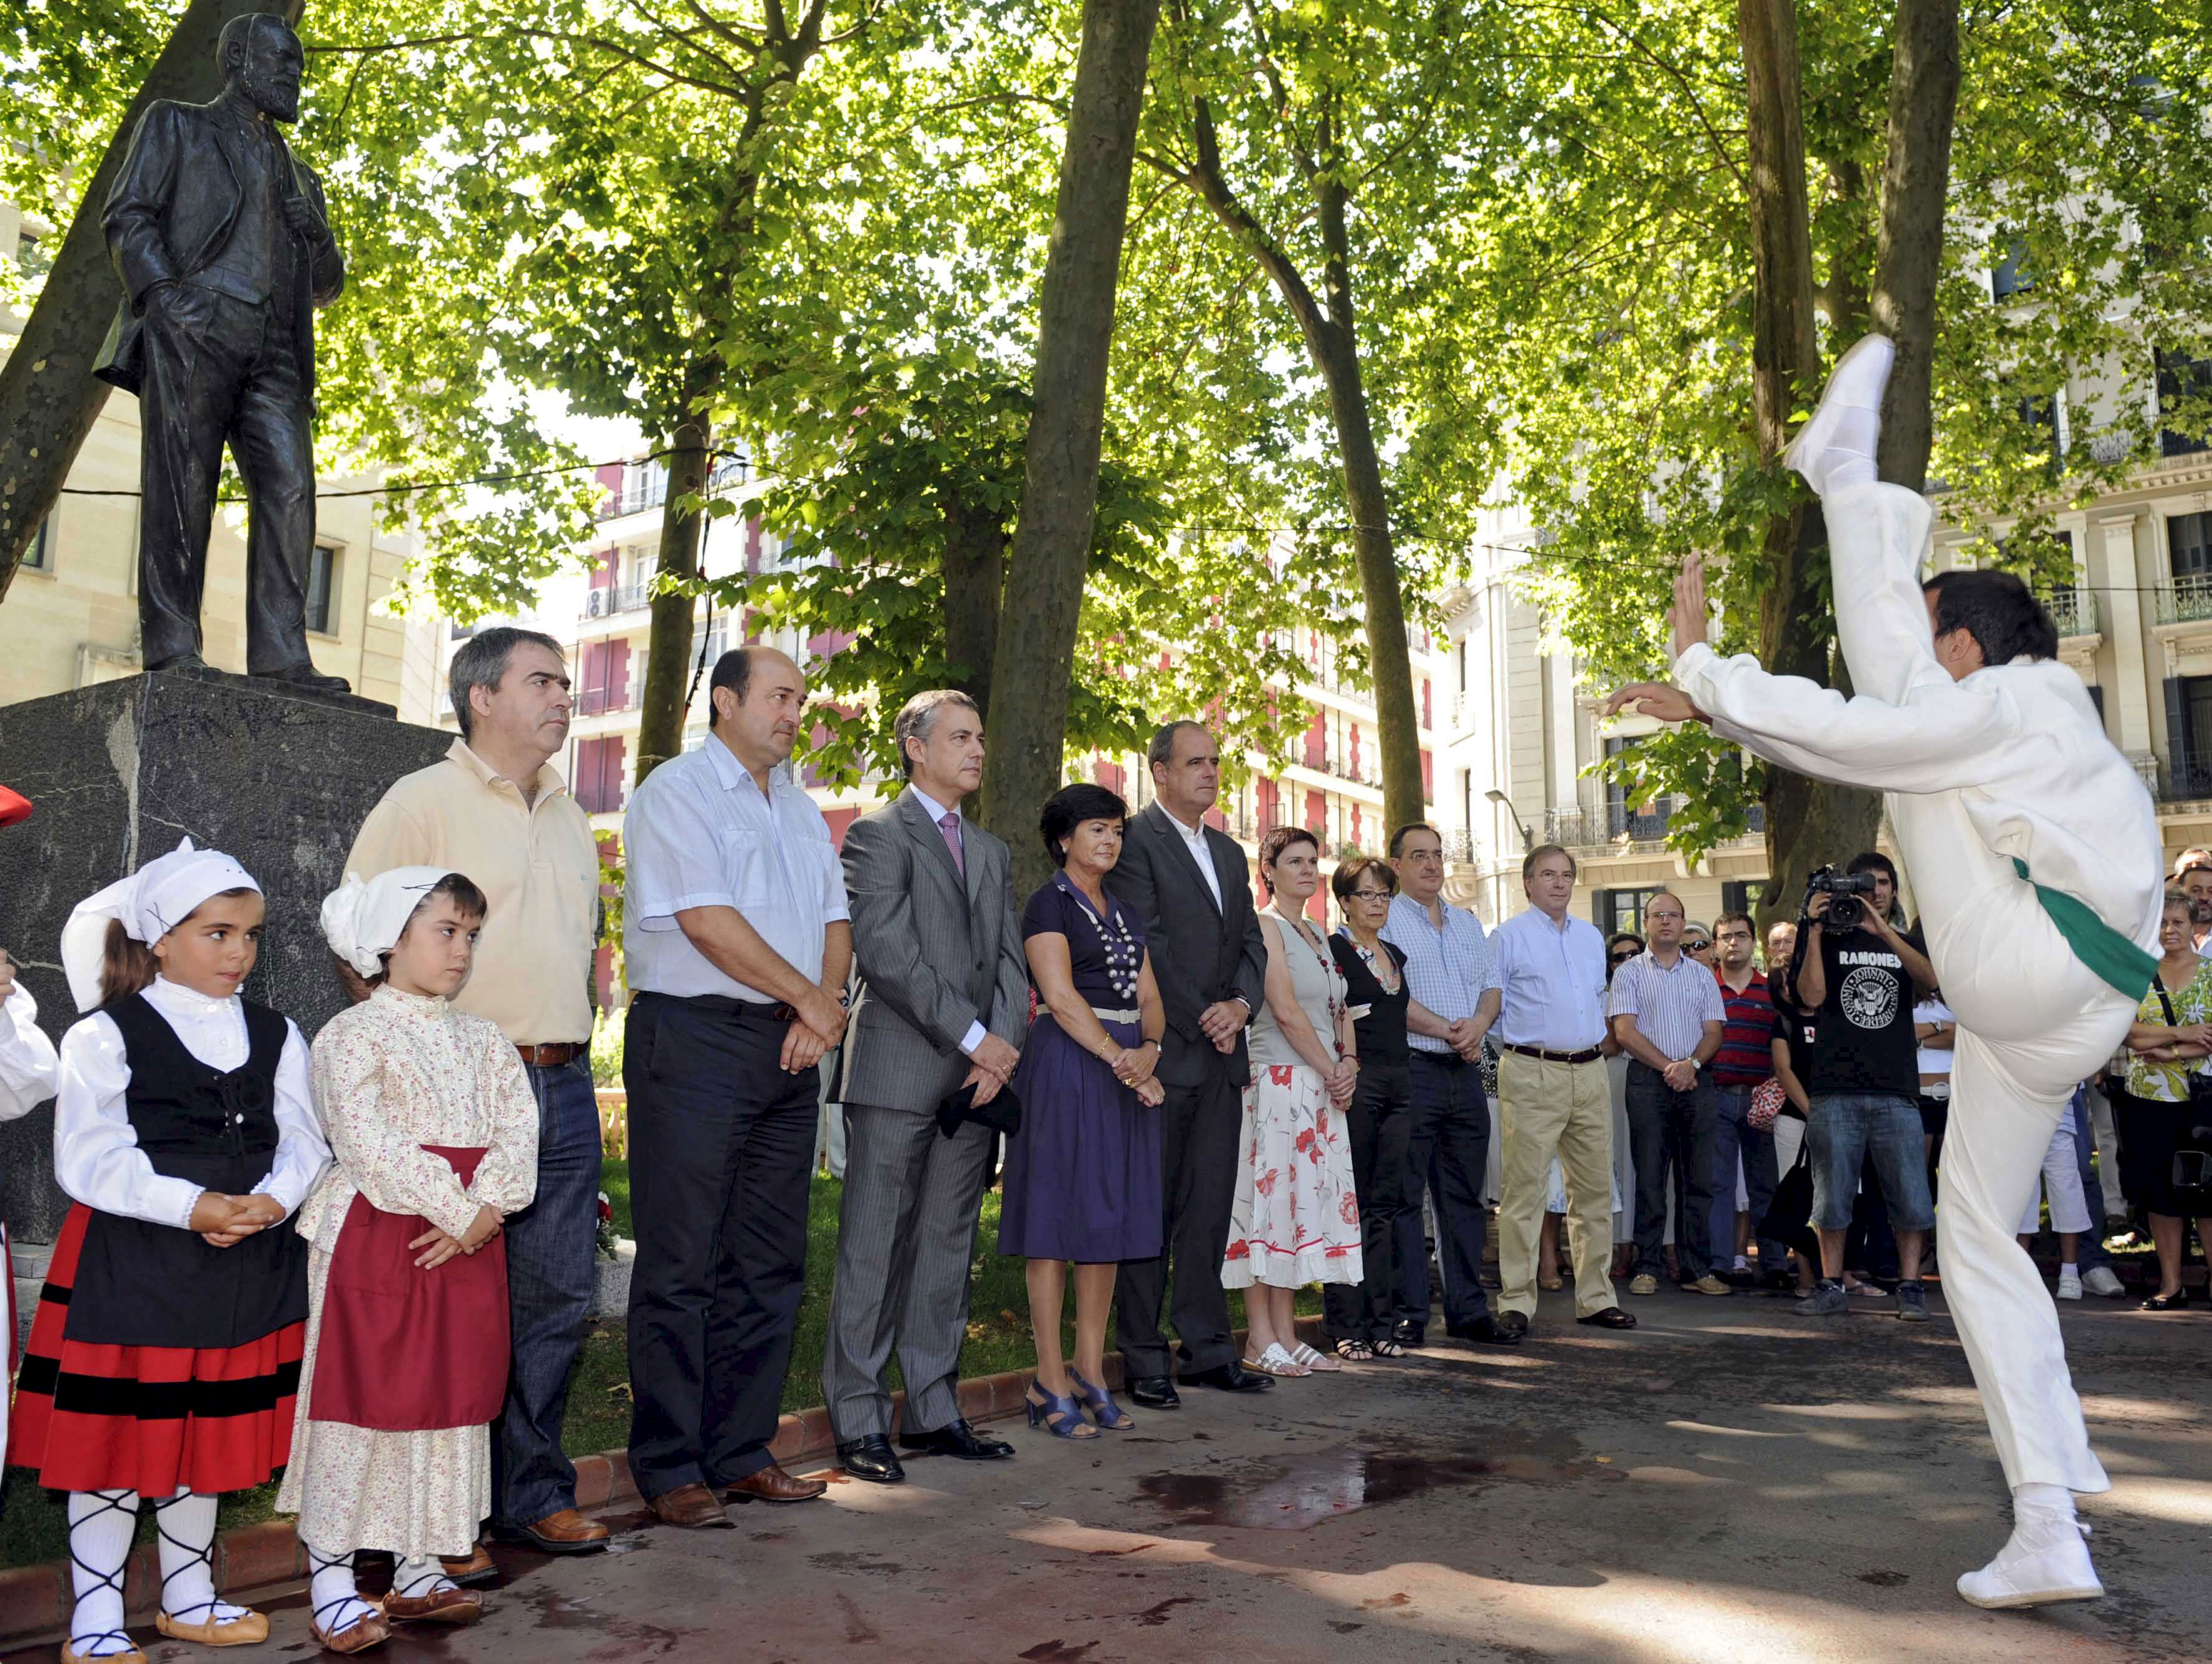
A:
(626, 598)
(2189, 601)
(602, 702)
(2186, 778)
(2072, 610)
(1617, 825)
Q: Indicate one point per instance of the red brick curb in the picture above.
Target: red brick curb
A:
(35, 1600)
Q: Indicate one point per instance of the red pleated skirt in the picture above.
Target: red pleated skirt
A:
(152, 1419)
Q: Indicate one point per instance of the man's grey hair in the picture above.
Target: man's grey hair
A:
(919, 715)
(482, 661)
(1162, 749)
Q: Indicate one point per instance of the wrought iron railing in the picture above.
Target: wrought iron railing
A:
(2072, 610)
(2188, 600)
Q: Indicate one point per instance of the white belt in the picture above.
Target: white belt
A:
(1105, 1015)
(1936, 1092)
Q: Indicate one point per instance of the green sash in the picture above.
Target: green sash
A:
(2096, 943)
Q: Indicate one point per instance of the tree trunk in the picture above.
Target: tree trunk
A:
(1809, 824)
(1035, 661)
(1916, 182)
(669, 666)
(975, 580)
(48, 398)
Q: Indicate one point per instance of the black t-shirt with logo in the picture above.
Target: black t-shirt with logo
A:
(1863, 1033)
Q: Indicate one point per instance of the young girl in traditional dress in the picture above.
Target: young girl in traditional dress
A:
(435, 1135)
(164, 1351)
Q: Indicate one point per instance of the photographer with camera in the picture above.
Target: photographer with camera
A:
(1856, 973)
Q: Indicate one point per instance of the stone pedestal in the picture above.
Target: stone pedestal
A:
(118, 773)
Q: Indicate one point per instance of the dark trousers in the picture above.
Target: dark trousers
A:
(1199, 1130)
(720, 1142)
(1376, 1124)
(217, 369)
(1670, 1128)
(551, 1246)
(1870, 1243)
(1447, 1155)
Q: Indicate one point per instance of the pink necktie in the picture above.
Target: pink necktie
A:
(951, 826)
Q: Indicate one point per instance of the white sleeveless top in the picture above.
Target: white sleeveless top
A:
(1320, 987)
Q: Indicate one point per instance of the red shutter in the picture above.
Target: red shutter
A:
(839, 820)
(1316, 812)
(1428, 777)
(617, 674)
(1428, 716)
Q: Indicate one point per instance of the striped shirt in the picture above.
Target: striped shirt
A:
(1671, 1006)
(1747, 1053)
(1449, 969)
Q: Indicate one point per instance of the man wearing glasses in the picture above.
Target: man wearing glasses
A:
(1451, 973)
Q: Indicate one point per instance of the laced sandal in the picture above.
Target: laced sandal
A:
(1104, 1410)
(1057, 1415)
(1277, 1362)
(1388, 1348)
(1319, 1362)
(213, 1622)
(336, 1625)
(1354, 1351)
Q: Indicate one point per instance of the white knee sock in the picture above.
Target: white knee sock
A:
(333, 1598)
(420, 1574)
(184, 1528)
(2041, 1502)
(101, 1526)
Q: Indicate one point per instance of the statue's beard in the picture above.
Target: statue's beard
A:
(278, 99)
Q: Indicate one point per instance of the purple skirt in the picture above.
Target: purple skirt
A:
(1082, 1178)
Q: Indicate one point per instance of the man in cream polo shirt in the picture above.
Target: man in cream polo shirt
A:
(496, 811)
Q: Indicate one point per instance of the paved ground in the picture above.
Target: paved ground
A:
(1730, 1483)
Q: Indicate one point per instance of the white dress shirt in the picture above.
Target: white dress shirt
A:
(28, 1065)
(1194, 840)
(700, 833)
(937, 812)
(96, 1154)
(1553, 980)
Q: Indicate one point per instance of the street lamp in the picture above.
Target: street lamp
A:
(1527, 837)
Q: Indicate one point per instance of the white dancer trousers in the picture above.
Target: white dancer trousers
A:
(2033, 1021)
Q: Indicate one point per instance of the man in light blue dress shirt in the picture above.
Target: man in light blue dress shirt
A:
(1453, 982)
(736, 934)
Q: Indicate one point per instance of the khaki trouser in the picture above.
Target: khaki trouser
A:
(1566, 1110)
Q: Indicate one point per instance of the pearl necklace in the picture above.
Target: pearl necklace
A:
(1123, 956)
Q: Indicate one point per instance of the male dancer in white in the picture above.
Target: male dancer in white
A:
(2035, 852)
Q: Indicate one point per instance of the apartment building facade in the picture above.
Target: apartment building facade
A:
(1523, 740)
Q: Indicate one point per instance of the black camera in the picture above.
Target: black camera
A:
(1846, 911)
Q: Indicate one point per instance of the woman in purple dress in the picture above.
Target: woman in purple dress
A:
(1083, 1176)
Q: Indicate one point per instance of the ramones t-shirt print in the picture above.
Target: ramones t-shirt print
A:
(1863, 1040)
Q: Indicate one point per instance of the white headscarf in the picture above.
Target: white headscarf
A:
(150, 903)
(362, 922)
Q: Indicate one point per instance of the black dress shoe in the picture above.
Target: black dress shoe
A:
(957, 1438)
(1155, 1392)
(1515, 1324)
(1490, 1330)
(872, 1459)
(1611, 1318)
(1231, 1377)
(1409, 1333)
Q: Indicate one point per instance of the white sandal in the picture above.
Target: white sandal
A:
(1276, 1361)
(1306, 1354)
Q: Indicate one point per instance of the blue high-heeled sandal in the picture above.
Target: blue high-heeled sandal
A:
(1104, 1410)
(1058, 1415)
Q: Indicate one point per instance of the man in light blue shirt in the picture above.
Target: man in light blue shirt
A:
(1453, 982)
(735, 929)
(1553, 1093)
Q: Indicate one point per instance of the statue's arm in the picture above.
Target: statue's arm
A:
(329, 268)
(137, 201)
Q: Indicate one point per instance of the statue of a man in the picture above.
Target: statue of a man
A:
(217, 232)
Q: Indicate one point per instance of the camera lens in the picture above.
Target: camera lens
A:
(1845, 911)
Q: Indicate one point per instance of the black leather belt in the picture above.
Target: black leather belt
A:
(1542, 1055)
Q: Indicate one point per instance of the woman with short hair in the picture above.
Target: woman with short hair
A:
(2168, 1048)
(1357, 1316)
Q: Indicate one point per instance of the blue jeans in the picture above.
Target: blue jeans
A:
(1446, 1151)
(1734, 1139)
(1665, 1127)
(2090, 1254)
(1848, 1128)
(550, 1278)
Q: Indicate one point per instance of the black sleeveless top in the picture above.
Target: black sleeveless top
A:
(1381, 1032)
(139, 1284)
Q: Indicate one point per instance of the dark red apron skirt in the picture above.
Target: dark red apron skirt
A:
(404, 1350)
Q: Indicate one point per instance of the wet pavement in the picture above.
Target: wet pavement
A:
(1730, 1482)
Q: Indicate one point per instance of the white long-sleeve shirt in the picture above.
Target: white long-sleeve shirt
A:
(96, 1154)
(28, 1065)
(2020, 743)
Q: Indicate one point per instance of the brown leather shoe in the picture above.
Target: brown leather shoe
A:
(372, 1631)
(691, 1506)
(439, 1606)
(566, 1532)
(472, 1569)
(773, 1484)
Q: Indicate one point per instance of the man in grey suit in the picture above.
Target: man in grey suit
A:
(1193, 888)
(942, 1003)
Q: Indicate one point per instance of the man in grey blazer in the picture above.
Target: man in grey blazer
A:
(942, 1002)
(1193, 888)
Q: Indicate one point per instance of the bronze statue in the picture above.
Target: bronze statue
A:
(219, 236)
